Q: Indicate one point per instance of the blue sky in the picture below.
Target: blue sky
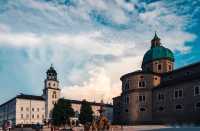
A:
(91, 43)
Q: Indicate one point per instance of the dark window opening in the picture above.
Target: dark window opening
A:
(196, 90)
(159, 67)
(141, 98)
(178, 93)
(198, 105)
(126, 110)
(142, 109)
(141, 76)
(170, 67)
(179, 107)
(141, 83)
(161, 108)
(160, 96)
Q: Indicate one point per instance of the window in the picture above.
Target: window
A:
(170, 67)
(38, 116)
(22, 116)
(54, 84)
(160, 96)
(142, 109)
(142, 98)
(159, 66)
(32, 109)
(33, 116)
(49, 84)
(38, 109)
(197, 106)
(179, 107)
(21, 108)
(161, 108)
(141, 83)
(126, 110)
(54, 94)
(178, 93)
(196, 90)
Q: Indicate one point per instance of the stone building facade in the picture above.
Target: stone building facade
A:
(31, 109)
(159, 93)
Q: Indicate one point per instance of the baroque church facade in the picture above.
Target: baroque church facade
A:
(159, 93)
(32, 109)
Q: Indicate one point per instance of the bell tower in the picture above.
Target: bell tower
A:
(51, 91)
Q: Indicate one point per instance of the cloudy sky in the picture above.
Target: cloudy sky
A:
(91, 43)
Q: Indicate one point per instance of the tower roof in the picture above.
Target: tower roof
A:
(51, 70)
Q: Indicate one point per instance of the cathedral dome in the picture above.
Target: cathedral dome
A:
(158, 52)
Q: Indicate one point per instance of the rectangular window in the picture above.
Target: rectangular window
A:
(22, 116)
(141, 83)
(178, 93)
(159, 66)
(141, 98)
(196, 90)
(160, 96)
(21, 108)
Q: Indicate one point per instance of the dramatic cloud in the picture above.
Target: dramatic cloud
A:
(91, 43)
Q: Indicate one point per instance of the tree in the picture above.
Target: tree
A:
(85, 112)
(61, 113)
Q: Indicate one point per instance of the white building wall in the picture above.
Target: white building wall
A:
(29, 111)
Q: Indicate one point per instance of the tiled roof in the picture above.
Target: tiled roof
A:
(30, 97)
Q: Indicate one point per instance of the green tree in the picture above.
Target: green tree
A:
(61, 113)
(85, 112)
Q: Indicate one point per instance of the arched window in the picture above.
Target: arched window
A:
(142, 109)
(54, 94)
(179, 107)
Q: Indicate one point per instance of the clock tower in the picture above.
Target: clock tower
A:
(51, 91)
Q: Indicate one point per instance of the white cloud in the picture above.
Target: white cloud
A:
(74, 39)
(99, 86)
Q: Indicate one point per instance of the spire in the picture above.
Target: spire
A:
(155, 41)
(51, 73)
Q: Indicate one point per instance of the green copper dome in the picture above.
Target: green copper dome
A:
(158, 52)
